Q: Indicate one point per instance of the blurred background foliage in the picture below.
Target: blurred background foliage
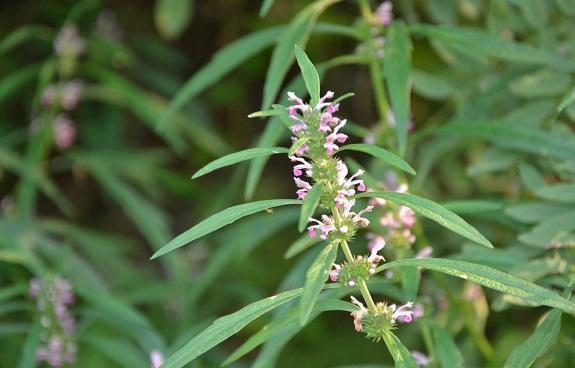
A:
(91, 188)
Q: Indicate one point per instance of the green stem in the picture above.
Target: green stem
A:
(380, 96)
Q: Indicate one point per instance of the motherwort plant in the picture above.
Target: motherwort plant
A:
(316, 135)
(334, 211)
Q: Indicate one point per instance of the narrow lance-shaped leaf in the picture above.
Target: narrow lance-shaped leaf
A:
(567, 100)
(433, 211)
(266, 6)
(397, 72)
(544, 336)
(234, 158)
(309, 204)
(287, 322)
(315, 279)
(222, 63)
(297, 32)
(382, 154)
(513, 137)
(489, 277)
(309, 74)
(475, 41)
(446, 350)
(224, 327)
(220, 220)
(401, 356)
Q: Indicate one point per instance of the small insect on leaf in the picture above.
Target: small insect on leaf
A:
(269, 210)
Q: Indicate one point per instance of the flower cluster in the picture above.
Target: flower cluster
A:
(53, 297)
(64, 96)
(381, 18)
(316, 137)
(362, 268)
(382, 320)
(398, 222)
(68, 42)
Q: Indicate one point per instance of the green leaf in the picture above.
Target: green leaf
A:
(285, 323)
(266, 6)
(472, 206)
(150, 220)
(220, 220)
(173, 16)
(433, 211)
(234, 158)
(542, 339)
(23, 34)
(397, 70)
(224, 327)
(475, 42)
(542, 83)
(309, 204)
(297, 32)
(559, 192)
(446, 350)
(301, 244)
(401, 356)
(432, 86)
(224, 61)
(531, 178)
(534, 212)
(309, 74)
(315, 279)
(513, 137)
(119, 351)
(535, 13)
(489, 277)
(567, 100)
(553, 232)
(382, 154)
(16, 80)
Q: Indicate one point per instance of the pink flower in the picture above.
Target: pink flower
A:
(334, 274)
(402, 314)
(424, 253)
(326, 226)
(384, 13)
(374, 241)
(64, 132)
(322, 104)
(156, 359)
(68, 42)
(303, 165)
(358, 315)
(417, 311)
(374, 257)
(406, 216)
(421, 359)
(304, 188)
(335, 136)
